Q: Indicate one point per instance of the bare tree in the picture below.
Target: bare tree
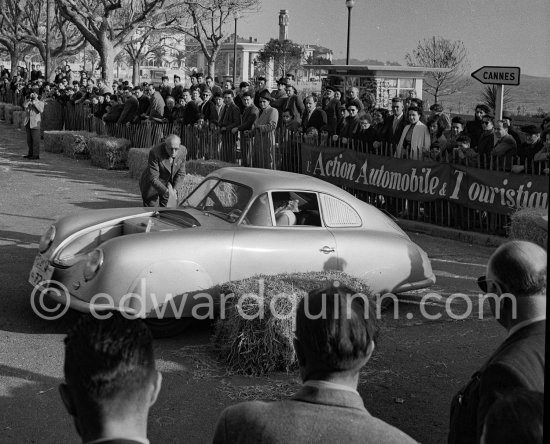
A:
(65, 39)
(109, 25)
(438, 52)
(206, 20)
(11, 36)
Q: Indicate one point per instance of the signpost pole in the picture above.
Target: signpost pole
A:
(499, 100)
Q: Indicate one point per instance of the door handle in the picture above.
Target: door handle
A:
(327, 250)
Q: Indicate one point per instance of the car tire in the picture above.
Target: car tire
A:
(167, 327)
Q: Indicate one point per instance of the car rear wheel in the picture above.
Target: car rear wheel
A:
(167, 327)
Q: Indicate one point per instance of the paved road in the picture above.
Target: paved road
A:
(196, 387)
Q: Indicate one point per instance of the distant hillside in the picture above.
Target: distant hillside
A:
(532, 95)
(364, 62)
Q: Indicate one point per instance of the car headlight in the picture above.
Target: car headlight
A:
(93, 264)
(46, 239)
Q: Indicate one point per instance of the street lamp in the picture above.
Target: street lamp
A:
(349, 5)
(236, 16)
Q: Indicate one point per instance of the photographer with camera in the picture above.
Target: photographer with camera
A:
(33, 109)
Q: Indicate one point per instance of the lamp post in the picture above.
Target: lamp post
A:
(235, 50)
(349, 5)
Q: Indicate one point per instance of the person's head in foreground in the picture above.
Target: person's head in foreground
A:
(335, 335)
(110, 377)
(516, 417)
(516, 273)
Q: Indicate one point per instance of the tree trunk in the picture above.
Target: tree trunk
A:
(14, 57)
(211, 66)
(107, 56)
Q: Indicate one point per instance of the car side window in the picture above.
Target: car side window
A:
(338, 214)
(296, 208)
(259, 212)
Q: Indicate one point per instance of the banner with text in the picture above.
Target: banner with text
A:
(494, 191)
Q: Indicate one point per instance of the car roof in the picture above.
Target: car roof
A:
(263, 180)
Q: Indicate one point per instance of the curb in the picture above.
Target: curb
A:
(486, 240)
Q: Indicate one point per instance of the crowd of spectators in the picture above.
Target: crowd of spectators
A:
(327, 120)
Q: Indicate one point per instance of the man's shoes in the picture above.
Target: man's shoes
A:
(27, 156)
(31, 157)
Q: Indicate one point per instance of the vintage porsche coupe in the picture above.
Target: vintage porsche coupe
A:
(154, 261)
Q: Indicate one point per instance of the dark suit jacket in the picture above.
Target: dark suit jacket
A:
(159, 173)
(318, 119)
(208, 108)
(517, 363)
(129, 113)
(231, 116)
(156, 106)
(389, 135)
(313, 415)
(190, 113)
(250, 115)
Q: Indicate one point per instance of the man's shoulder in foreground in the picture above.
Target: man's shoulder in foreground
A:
(311, 416)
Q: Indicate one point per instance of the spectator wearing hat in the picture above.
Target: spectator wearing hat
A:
(260, 88)
(263, 153)
(473, 127)
(249, 117)
(279, 94)
(331, 108)
(507, 116)
(334, 340)
(243, 88)
(437, 113)
(294, 103)
(529, 149)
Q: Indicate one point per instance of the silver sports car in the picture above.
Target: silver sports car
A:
(164, 263)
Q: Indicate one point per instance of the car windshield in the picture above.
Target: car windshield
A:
(224, 199)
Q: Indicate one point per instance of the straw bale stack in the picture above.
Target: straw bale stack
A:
(109, 152)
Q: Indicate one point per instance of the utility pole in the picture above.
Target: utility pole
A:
(49, 14)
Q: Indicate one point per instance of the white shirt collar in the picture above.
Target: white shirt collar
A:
(329, 385)
(524, 324)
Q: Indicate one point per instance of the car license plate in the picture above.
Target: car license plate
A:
(41, 270)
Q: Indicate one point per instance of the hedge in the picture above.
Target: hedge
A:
(19, 118)
(109, 152)
(262, 345)
(530, 224)
(2, 110)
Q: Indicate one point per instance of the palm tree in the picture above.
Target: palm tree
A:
(489, 96)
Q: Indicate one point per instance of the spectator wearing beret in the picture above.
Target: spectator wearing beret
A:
(533, 149)
(473, 127)
(279, 96)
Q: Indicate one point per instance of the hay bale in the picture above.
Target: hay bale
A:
(530, 224)
(18, 118)
(9, 109)
(75, 143)
(258, 345)
(205, 167)
(52, 117)
(137, 161)
(109, 152)
(53, 141)
(189, 184)
(2, 110)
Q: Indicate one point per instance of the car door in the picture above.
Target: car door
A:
(262, 247)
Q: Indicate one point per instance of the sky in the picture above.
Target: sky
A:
(495, 32)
